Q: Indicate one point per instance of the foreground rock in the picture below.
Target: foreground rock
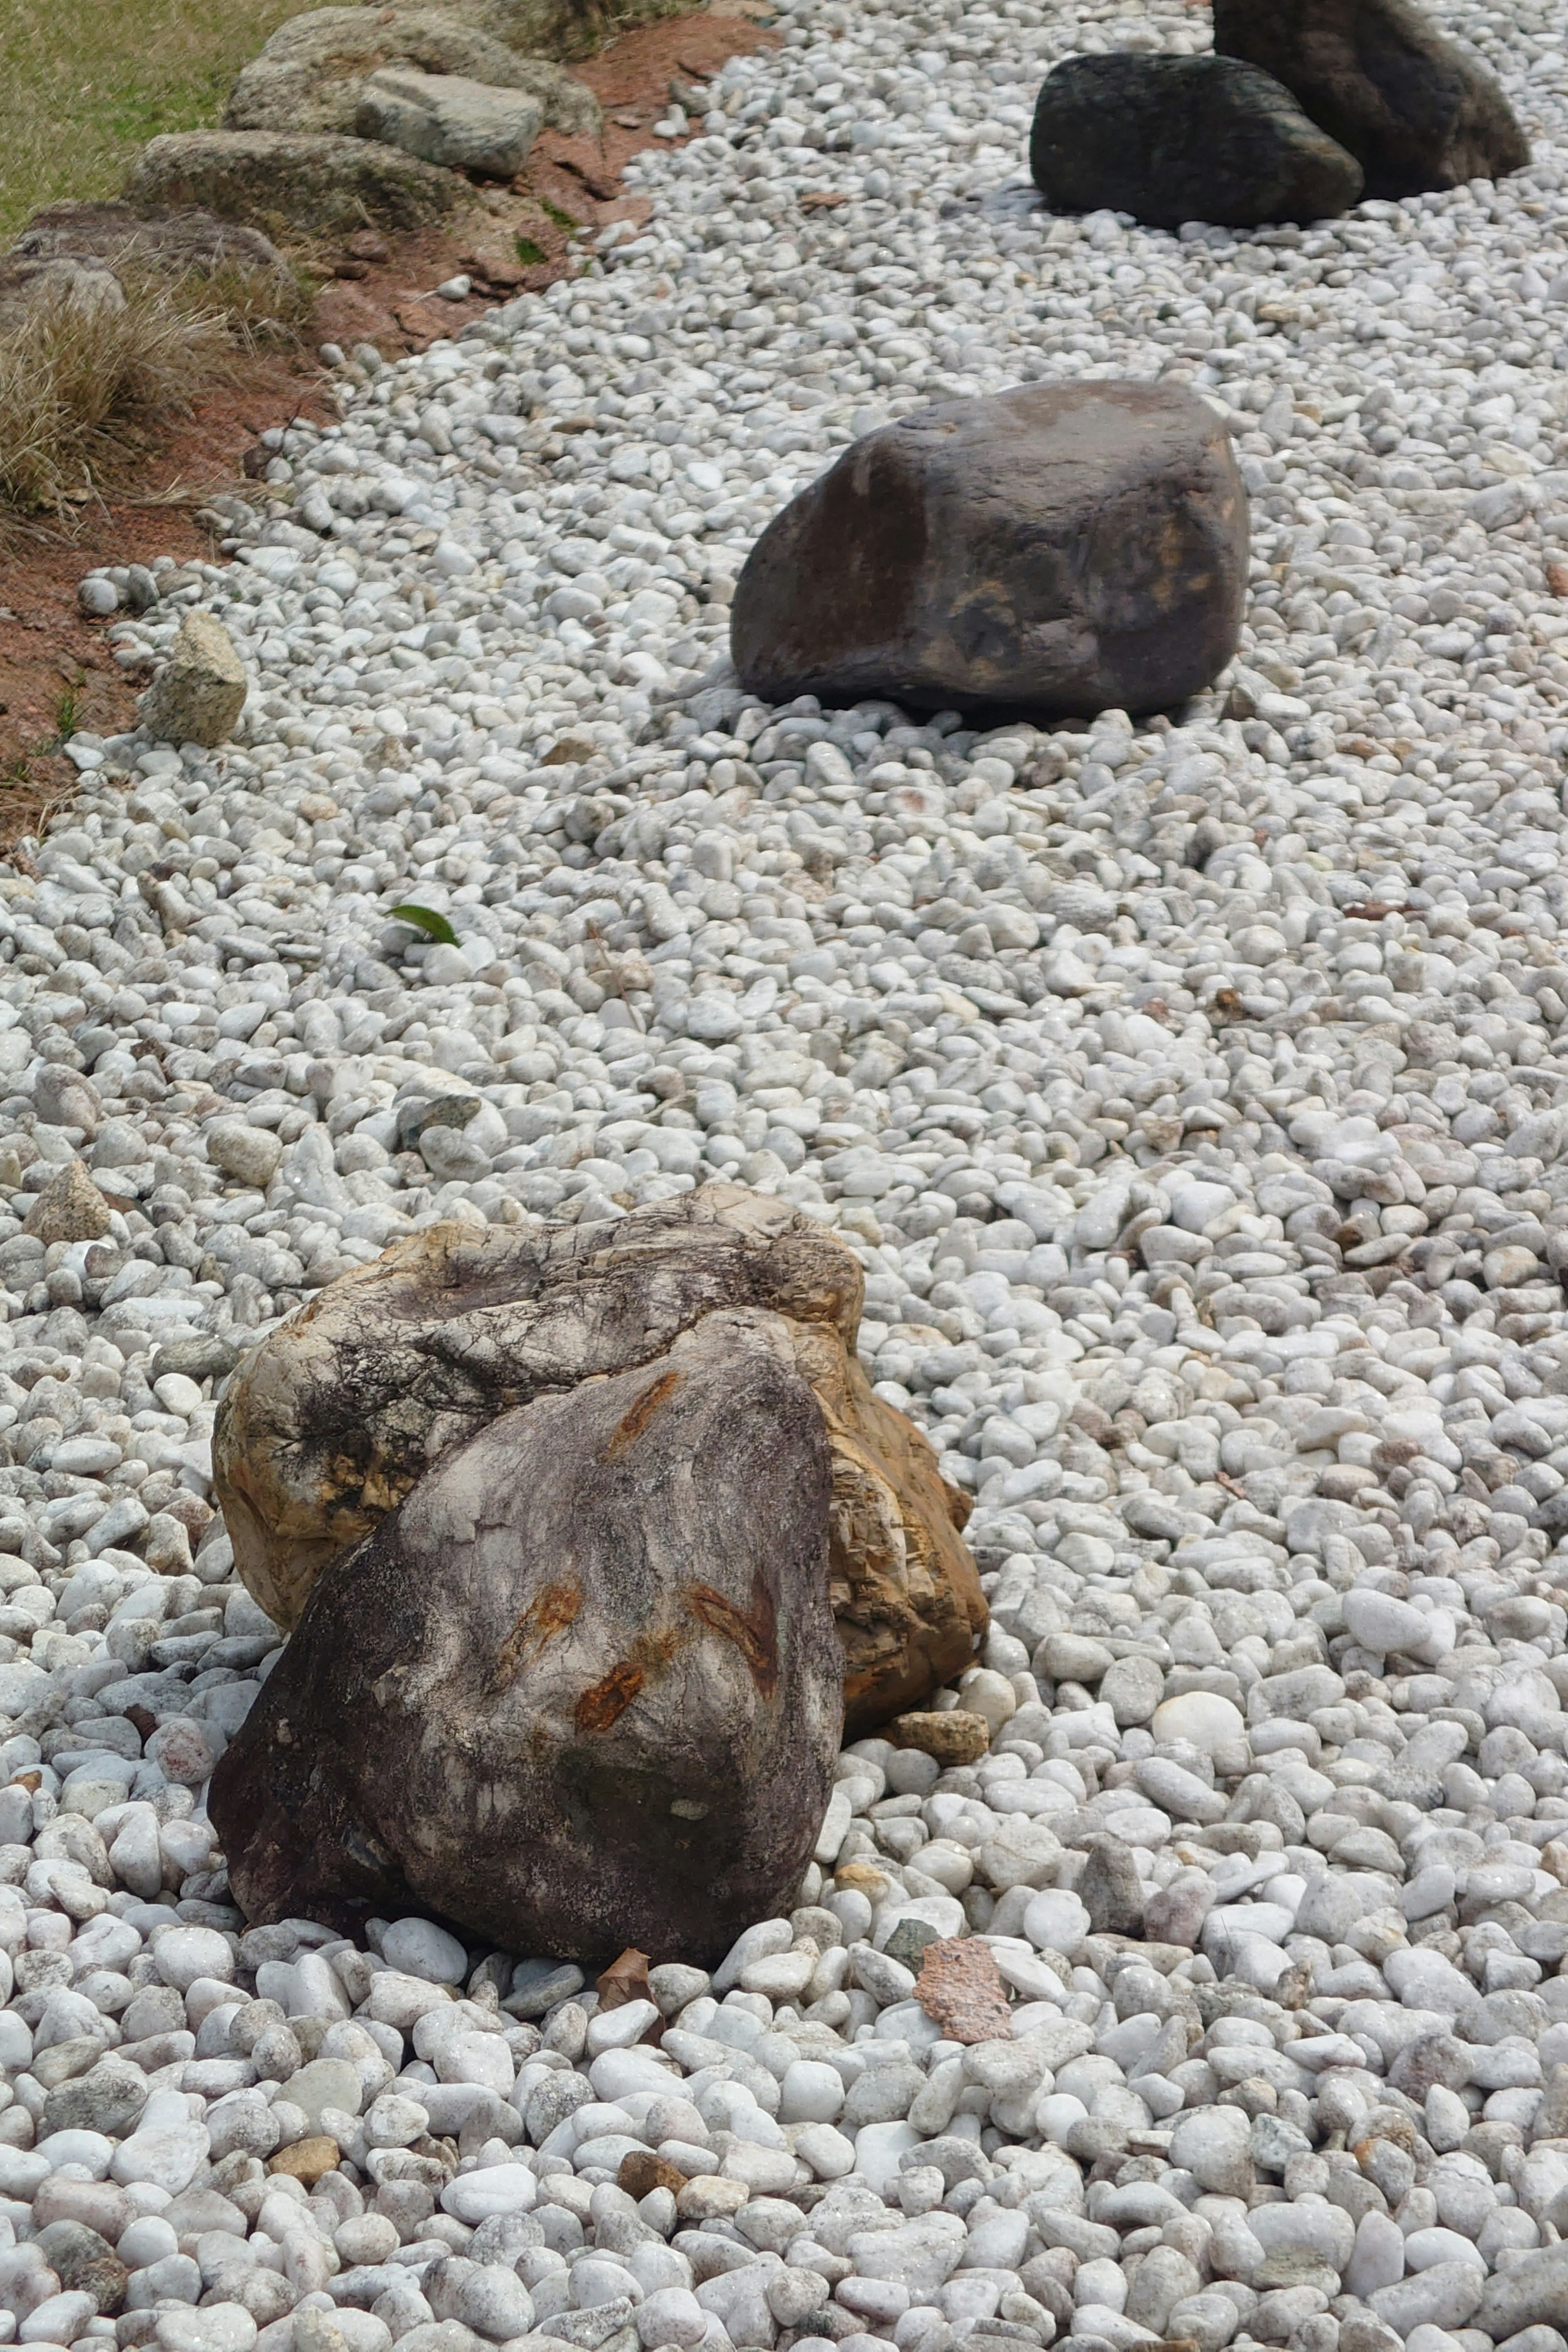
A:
(1378, 76)
(445, 119)
(183, 242)
(312, 71)
(1069, 550)
(1180, 139)
(61, 283)
(338, 1416)
(198, 698)
(282, 180)
(581, 1688)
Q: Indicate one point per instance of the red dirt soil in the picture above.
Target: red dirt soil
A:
(55, 669)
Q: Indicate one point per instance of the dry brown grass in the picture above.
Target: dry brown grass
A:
(82, 388)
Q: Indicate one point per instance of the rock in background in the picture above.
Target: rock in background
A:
(311, 72)
(1178, 138)
(581, 1689)
(446, 119)
(1414, 109)
(297, 181)
(1067, 549)
(336, 1417)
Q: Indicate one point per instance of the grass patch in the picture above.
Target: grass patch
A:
(80, 387)
(84, 83)
(528, 253)
(555, 213)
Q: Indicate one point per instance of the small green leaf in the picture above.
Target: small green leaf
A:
(434, 926)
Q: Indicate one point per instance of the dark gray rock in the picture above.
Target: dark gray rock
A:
(84, 2264)
(1378, 76)
(1067, 549)
(581, 1689)
(1183, 138)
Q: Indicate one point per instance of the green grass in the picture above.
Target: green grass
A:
(86, 83)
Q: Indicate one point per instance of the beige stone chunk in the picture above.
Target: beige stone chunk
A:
(70, 1208)
(199, 697)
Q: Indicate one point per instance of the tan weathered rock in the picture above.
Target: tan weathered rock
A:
(70, 1208)
(198, 698)
(953, 1736)
(306, 2160)
(335, 1417)
(310, 74)
(297, 183)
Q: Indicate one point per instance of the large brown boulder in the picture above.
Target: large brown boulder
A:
(1182, 139)
(1415, 111)
(1065, 549)
(294, 182)
(332, 1421)
(311, 73)
(581, 1689)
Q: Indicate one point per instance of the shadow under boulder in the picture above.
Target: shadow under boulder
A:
(1171, 139)
(581, 1689)
(1064, 550)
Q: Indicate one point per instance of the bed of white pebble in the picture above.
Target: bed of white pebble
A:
(1194, 1094)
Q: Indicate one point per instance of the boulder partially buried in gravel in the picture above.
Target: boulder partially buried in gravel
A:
(582, 1687)
(1413, 109)
(1066, 548)
(337, 1415)
(311, 72)
(304, 182)
(1183, 138)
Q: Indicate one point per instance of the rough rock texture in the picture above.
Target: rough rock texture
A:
(186, 241)
(338, 1413)
(1065, 549)
(960, 1987)
(307, 180)
(70, 1208)
(953, 1736)
(548, 1653)
(200, 695)
(310, 74)
(1178, 138)
(1413, 109)
(26, 284)
(445, 118)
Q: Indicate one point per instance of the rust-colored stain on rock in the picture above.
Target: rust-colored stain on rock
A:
(551, 1610)
(641, 1413)
(605, 1701)
(754, 1635)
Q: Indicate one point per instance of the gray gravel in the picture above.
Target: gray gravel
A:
(1193, 1096)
